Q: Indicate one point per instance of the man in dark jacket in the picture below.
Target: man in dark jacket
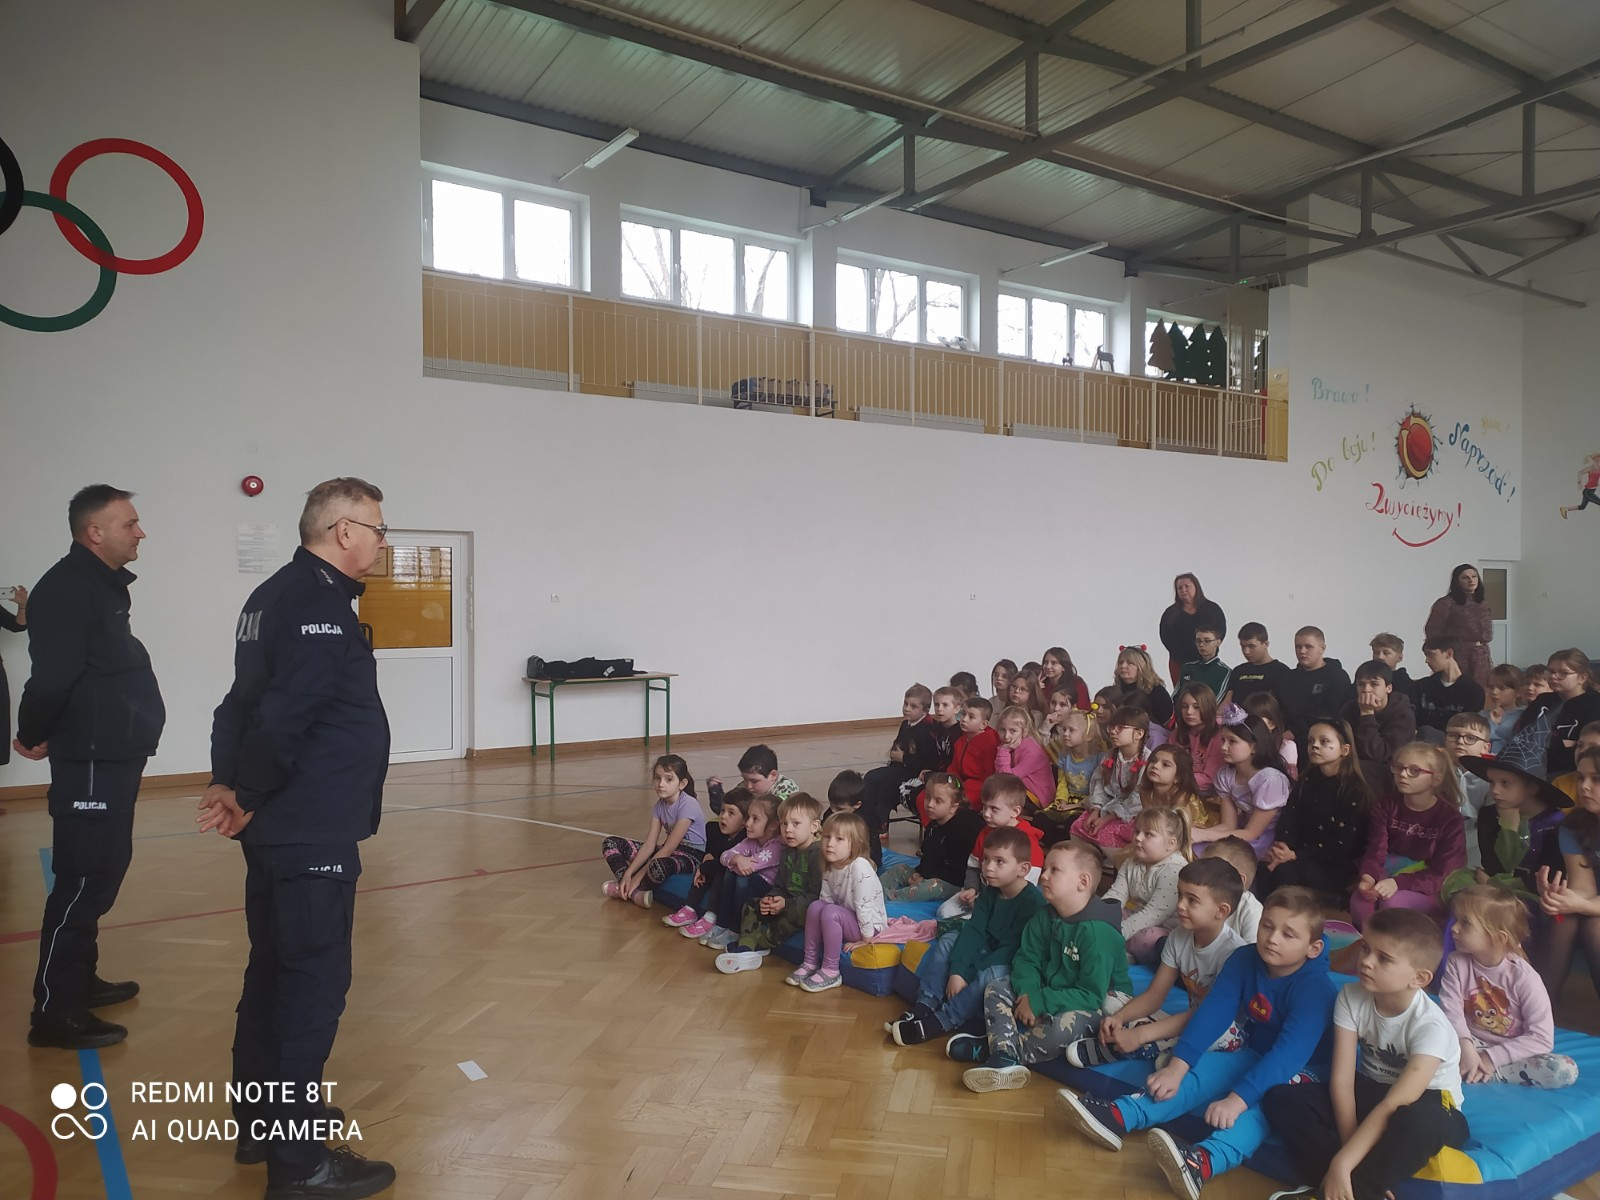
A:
(92, 706)
(299, 750)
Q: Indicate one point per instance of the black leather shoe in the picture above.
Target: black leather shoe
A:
(249, 1151)
(104, 995)
(344, 1175)
(77, 1031)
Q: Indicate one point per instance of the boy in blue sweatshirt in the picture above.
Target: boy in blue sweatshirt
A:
(1280, 994)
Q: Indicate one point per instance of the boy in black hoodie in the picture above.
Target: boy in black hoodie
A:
(1382, 719)
(1318, 687)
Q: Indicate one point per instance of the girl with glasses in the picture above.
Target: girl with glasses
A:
(1415, 836)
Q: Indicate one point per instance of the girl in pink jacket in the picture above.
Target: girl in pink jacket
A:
(1020, 754)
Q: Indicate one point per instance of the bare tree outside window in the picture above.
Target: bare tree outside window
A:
(766, 282)
(646, 261)
(896, 298)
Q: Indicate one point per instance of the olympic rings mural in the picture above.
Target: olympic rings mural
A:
(83, 234)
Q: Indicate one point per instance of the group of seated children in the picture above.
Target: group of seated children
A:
(1456, 864)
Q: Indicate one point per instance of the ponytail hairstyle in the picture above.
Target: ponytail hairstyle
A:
(1202, 695)
(1445, 785)
(1169, 820)
(675, 764)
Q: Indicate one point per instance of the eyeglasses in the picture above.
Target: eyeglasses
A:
(1464, 738)
(1554, 674)
(1409, 771)
(381, 530)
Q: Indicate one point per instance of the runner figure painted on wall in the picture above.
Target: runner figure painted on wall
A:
(1588, 480)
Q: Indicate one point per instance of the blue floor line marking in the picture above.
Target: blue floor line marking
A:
(113, 1170)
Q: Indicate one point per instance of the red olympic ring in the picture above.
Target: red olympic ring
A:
(76, 157)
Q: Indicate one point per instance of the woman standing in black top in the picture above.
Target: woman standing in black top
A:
(1188, 611)
(16, 624)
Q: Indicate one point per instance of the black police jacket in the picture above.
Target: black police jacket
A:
(92, 694)
(301, 736)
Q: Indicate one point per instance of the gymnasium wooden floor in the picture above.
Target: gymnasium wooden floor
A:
(618, 1062)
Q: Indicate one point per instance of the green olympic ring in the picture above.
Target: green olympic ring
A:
(92, 307)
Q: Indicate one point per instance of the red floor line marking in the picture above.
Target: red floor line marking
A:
(478, 873)
(41, 1158)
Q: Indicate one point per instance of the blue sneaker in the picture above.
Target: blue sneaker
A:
(968, 1048)
(1187, 1168)
(1097, 1119)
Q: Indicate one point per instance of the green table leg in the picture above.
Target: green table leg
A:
(533, 718)
(667, 692)
(552, 694)
(647, 690)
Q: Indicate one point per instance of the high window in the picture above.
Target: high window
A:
(500, 231)
(719, 272)
(901, 303)
(1050, 330)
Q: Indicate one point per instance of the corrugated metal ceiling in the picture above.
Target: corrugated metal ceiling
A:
(1362, 81)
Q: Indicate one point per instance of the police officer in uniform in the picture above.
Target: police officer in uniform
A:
(299, 750)
(92, 706)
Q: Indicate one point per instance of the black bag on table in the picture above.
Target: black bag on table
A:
(559, 670)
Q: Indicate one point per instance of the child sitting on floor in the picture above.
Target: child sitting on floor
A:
(1266, 706)
(1000, 676)
(955, 970)
(972, 758)
(1114, 793)
(1495, 1000)
(1394, 1098)
(1415, 837)
(1323, 830)
(849, 909)
(1193, 955)
(1003, 800)
(1071, 968)
(1569, 898)
(758, 767)
(1020, 754)
(1280, 995)
(1147, 882)
(1251, 786)
(1169, 783)
(771, 920)
(1195, 729)
(1466, 735)
(1502, 704)
(947, 841)
(1518, 831)
(748, 870)
(1075, 748)
(846, 795)
(672, 845)
(1236, 852)
(722, 836)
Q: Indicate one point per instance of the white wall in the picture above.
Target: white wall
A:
(1554, 601)
(791, 570)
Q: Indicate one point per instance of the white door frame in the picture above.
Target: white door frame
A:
(460, 653)
(1500, 648)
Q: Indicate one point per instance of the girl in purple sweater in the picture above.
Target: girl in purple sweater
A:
(1021, 755)
(1415, 836)
(1494, 999)
(748, 870)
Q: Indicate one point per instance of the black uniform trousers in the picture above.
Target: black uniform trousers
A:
(881, 792)
(1333, 880)
(299, 908)
(91, 845)
(1302, 1115)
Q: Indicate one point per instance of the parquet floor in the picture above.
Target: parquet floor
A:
(618, 1062)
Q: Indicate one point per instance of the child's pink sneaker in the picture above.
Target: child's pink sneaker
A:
(699, 928)
(684, 916)
(612, 889)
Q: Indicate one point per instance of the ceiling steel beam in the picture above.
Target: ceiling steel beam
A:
(902, 112)
(1482, 61)
(1583, 190)
(1173, 84)
(408, 26)
(1589, 230)
(1053, 40)
(1492, 281)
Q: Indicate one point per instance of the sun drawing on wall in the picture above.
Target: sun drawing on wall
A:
(1414, 446)
(1588, 480)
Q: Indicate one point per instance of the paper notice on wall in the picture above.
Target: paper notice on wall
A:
(258, 549)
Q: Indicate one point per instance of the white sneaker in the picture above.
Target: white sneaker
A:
(741, 960)
(996, 1079)
(720, 939)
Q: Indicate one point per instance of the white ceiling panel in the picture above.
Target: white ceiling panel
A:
(1403, 95)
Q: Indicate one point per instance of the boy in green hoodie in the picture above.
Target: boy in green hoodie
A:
(1070, 969)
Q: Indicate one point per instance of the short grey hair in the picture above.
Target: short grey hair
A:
(329, 495)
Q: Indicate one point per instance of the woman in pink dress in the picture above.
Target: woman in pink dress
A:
(1463, 616)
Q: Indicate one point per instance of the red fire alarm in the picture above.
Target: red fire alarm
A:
(251, 485)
